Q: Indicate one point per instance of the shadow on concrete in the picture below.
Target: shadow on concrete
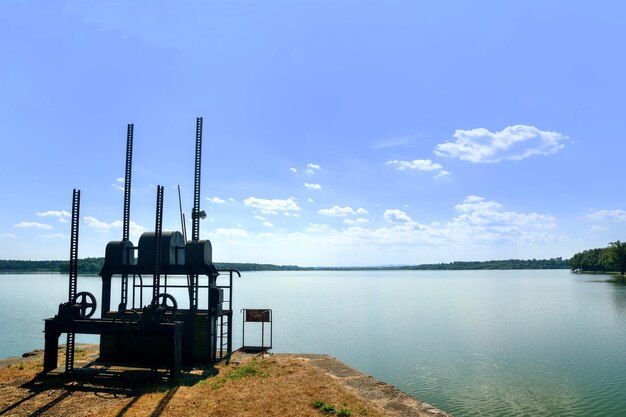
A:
(104, 382)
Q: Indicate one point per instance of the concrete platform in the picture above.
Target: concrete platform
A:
(394, 402)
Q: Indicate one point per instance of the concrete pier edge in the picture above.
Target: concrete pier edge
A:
(393, 401)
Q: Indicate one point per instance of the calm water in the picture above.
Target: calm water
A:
(488, 343)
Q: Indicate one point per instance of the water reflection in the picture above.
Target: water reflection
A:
(619, 298)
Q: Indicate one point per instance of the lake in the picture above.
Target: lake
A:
(473, 343)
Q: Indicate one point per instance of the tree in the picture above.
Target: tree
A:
(617, 254)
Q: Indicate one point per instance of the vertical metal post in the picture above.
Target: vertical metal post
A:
(243, 329)
(127, 178)
(126, 215)
(156, 283)
(69, 347)
(74, 245)
(195, 214)
(158, 228)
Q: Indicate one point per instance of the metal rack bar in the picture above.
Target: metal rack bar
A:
(158, 228)
(71, 337)
(74, 245)
(127, 177)
(195, 214)
(126, 215)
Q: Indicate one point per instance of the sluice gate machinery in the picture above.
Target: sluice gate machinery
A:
(147, 327)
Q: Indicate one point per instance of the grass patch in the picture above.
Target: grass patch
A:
(251, 369)
(330, 409)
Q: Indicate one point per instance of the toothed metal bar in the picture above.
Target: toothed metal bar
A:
(158, 228)
(195, 214)
(127, 177)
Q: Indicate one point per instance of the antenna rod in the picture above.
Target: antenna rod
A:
(195, 213)
(127, 174)
(183, 227)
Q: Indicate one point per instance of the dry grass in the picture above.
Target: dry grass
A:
(270, 386)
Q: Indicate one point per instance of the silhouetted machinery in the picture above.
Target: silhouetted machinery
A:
(148, 328)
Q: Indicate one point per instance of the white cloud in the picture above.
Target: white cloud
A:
(474, 203)
(310, 200)
(360, 220)
(512, 143)
(478, 221)
(337, 211)
(312, 186)
(265, 235)
(393, 142)
(104, 227)
(268, 224)
(232, 232)
(53, 213)
(97, 225)
(311, 168)
(619, 215)
(599, 229)
(8, 236)
(216, 200)
(63, 220)
(33, 225)
(396, 216)
(54, 236)
(319, 228)
(294, 170)
(419, 164)
(274, 206)
(476, 211)
(118, 186)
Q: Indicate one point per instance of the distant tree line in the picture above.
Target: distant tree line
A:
(552, 263)
(85, 266)
(609, 259)
(94, 265)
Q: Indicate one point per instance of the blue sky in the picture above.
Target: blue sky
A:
(335, 132)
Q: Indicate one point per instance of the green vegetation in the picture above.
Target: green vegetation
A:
(251, 369)
(609, 259)
(330, 409)
(552, 263)
(93, 266)
(85, 266)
